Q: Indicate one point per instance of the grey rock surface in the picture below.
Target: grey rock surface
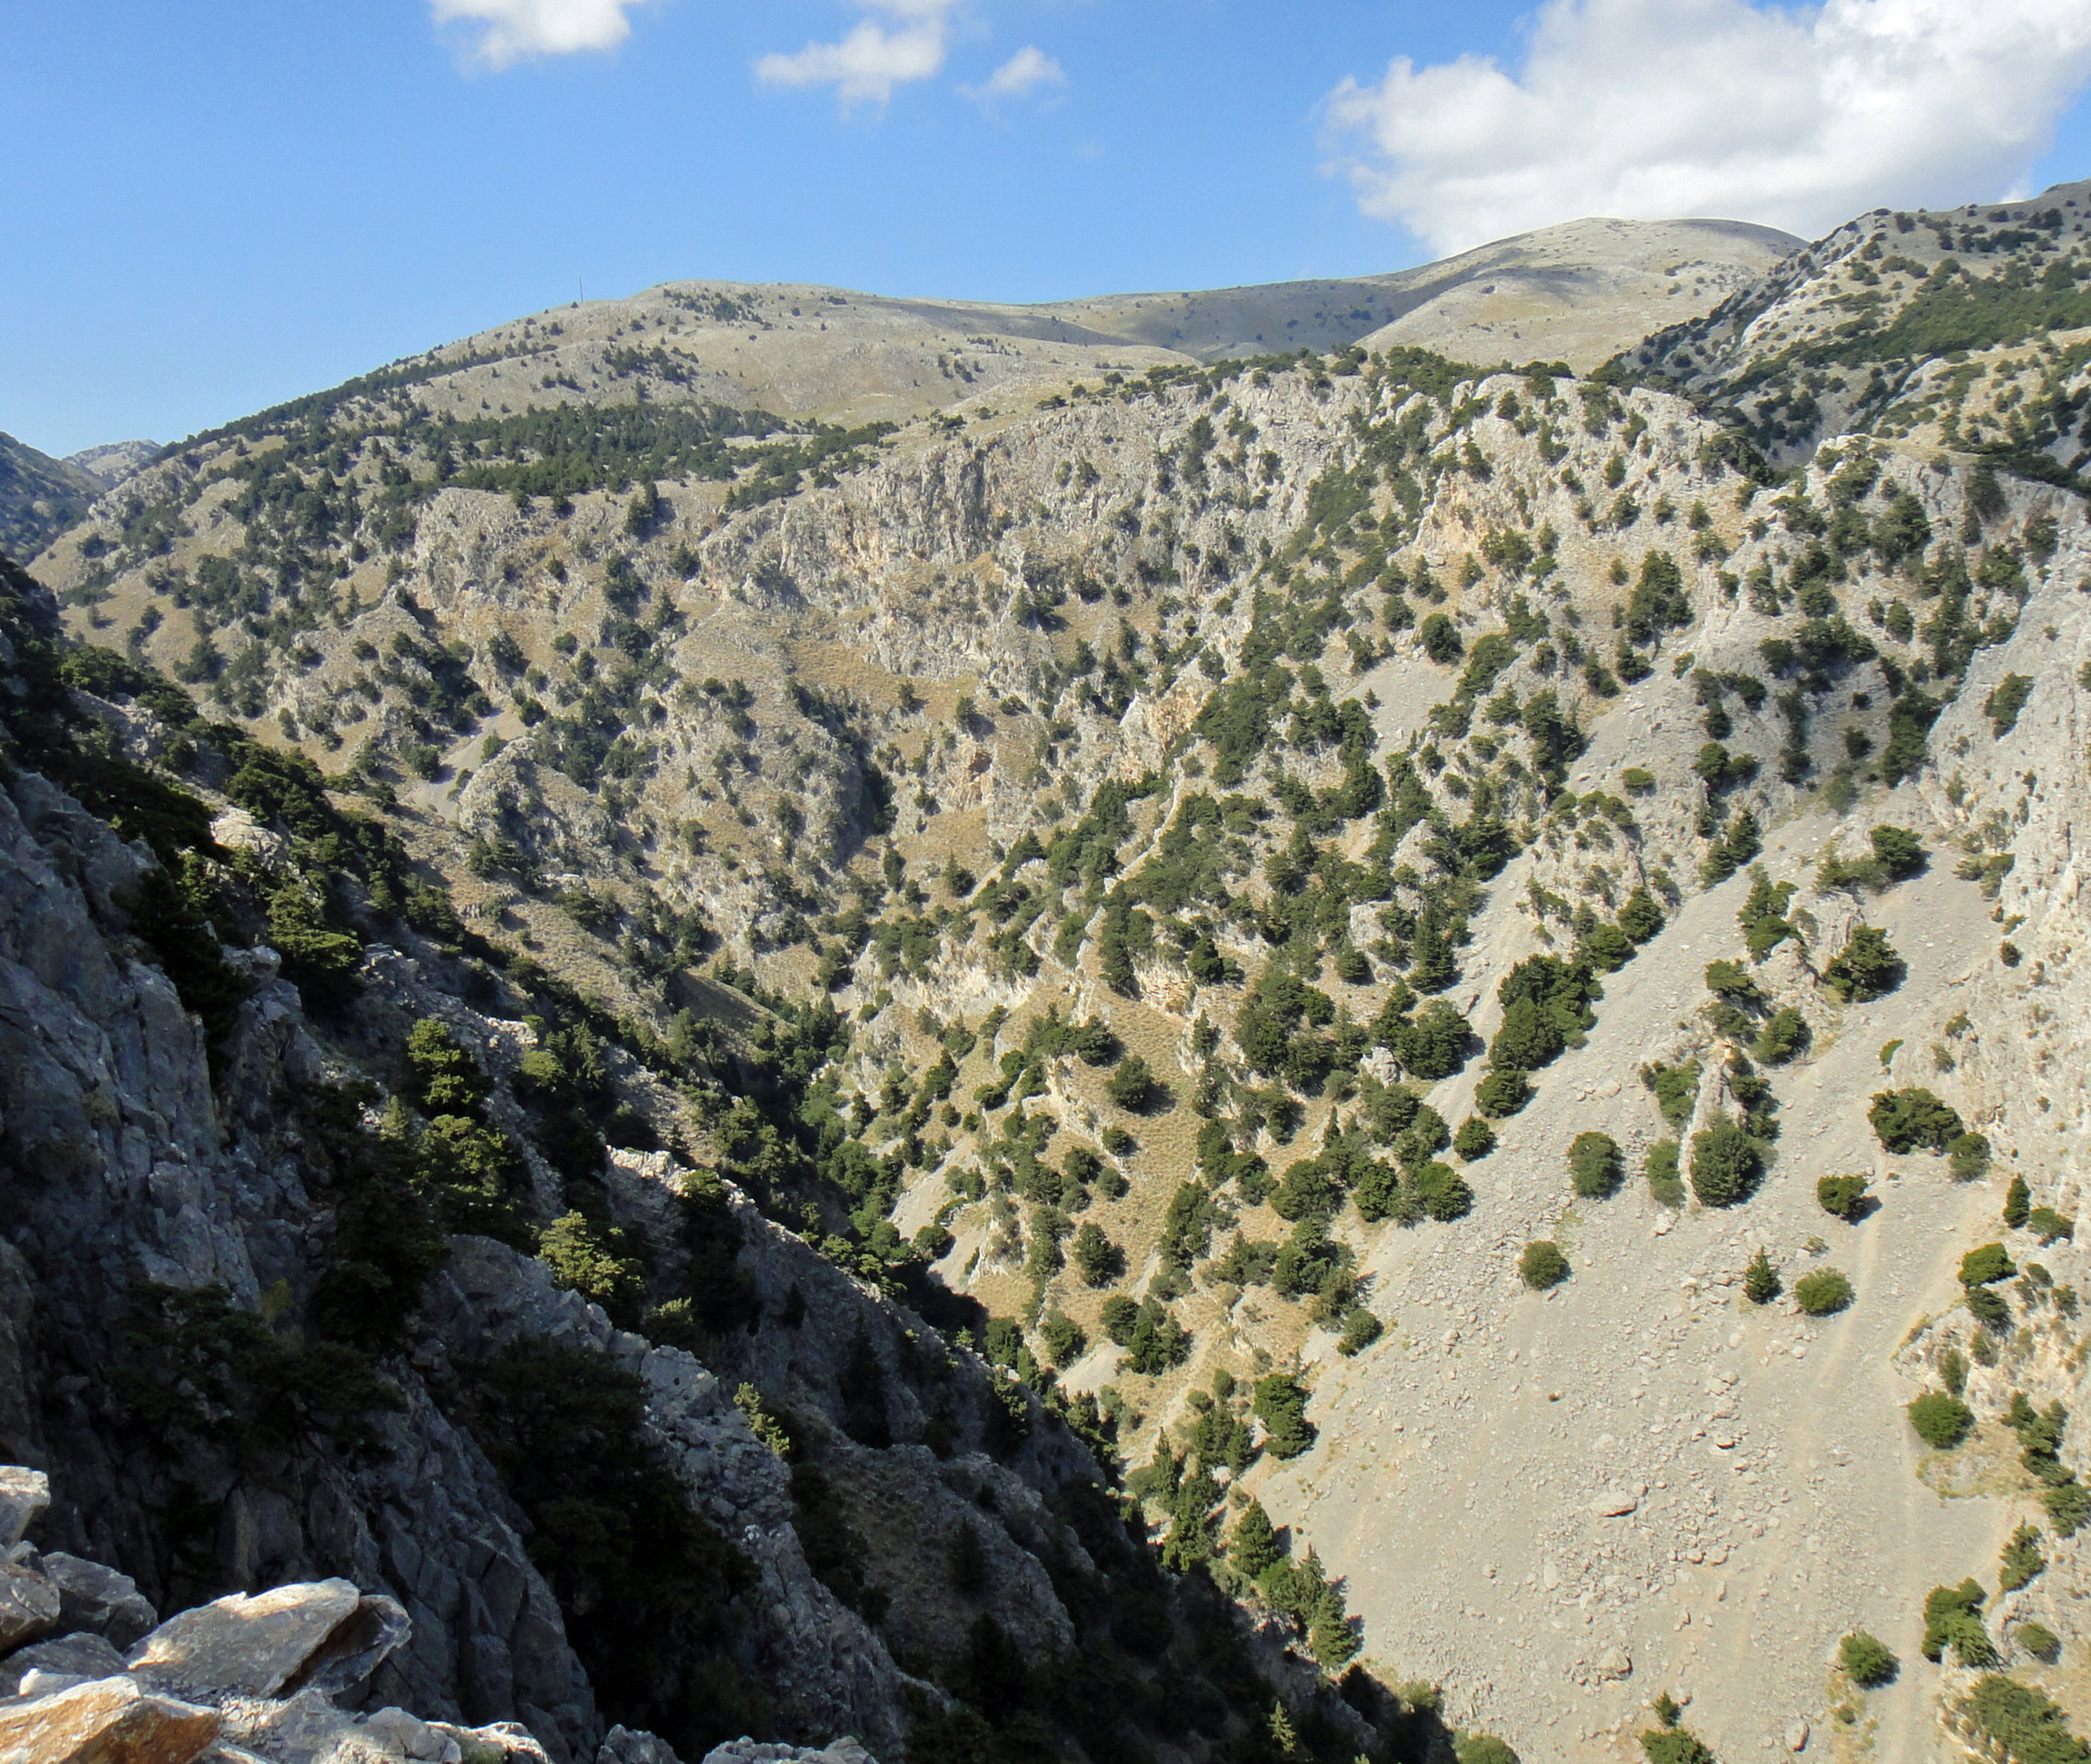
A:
(24, 1494)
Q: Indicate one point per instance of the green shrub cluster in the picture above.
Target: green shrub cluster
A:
(1541, 1265)
(1867, 1660)
(1843, 1197)
(1595, 1166)
(2016, 1721)
(1913, 1120)
(1823, 1293)
(1941, 1420)
(1726, 1164)
(1952, 1619)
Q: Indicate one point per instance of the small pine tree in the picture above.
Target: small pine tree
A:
(1867, 1660)
(2018, 1205)
(1256, 1544)
(1760, 1281)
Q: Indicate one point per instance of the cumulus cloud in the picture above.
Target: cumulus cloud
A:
(866, 65)
(1660, 109)
(512, 31)
(1025, 71)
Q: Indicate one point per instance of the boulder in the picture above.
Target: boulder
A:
(498, 1742)
(29, 1605)
(1614, 1503)
(24, 1494)
(625, 1746)
(99, 1599)
(110, 1720)
(322, 1635)
(78, 1656)
(399, 1734)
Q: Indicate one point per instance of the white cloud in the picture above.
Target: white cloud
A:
(1660, 109)
(1025, 71)
(512, 31)
(871, 60)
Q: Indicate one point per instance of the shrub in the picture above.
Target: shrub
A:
(1952, 1617)
(1474, 1140)
(1966, 1157)
(1503, 1092)
(1897, 851)
(1760, 1281)
(1912, 1119)
(1444, 1195)
(1731, 980)
(1641, 918)
(1099, 1260)
(1675, 1088)
(1676, 1746)
(1866, 968)
(1941, 1420)
(585, 1260)
(1987, 1264)
(1985, 1305)
(1064, 1339)
(2005, 1718)
(1843, 1197)
(2005, 701)
(2068, 1505)
(1132, 1086)
(2018, 1204)
(1440, 639)
(1530, 1036)
(1542, 1266)
(1119, 1314)
(1823, 1293)
(1665, 1184)
(1867, 1660)
(1785, 1033)
(1361, 1329)
(1726, 1163)
(1483, 1748)
(1280, 1405)
(2041, 1642)
(2049, 1226)
(1595, 1167)
(1256, 1545)
(2021, 1561)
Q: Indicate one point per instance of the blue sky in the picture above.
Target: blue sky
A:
(214, 205)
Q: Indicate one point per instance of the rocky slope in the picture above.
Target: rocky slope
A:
(1965, 330)
(268, 1308)
(1198, 882)
(39, 496)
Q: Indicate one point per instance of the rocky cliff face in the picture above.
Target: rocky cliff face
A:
(1420, 956)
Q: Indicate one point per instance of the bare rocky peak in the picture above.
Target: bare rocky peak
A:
(114, 461)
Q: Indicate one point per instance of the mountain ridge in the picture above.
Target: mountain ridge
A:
(1119, 868)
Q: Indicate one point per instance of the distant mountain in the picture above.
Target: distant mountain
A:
(1571, 293)
(39, 496)
(114, 461)
(1578, 292)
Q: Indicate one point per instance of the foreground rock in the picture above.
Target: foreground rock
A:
(248, 1676)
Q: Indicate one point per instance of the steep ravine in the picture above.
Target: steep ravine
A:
(1260, 724)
